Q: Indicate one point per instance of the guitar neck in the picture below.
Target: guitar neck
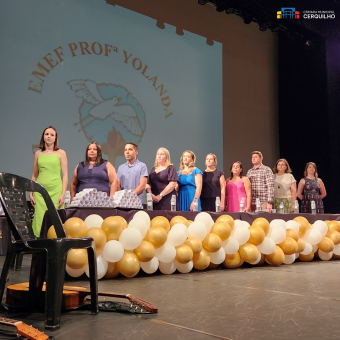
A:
(10, 322)
(85, 292)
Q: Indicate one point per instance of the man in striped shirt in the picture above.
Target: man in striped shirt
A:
(262, 182)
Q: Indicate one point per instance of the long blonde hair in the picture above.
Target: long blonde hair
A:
(191, 165)
(167, 161)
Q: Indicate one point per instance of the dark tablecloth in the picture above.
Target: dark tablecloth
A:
(128, 215)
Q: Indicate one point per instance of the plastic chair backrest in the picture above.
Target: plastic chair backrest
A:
(13, 191)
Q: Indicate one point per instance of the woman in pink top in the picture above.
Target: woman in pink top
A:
(238, 187)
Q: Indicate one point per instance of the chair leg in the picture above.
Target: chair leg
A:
(56, 263)
(91, 253)
(5, 271)
(18, 261)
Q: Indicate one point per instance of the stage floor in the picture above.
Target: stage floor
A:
(299, 301)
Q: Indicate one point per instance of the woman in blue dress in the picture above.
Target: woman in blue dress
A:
(189, 182)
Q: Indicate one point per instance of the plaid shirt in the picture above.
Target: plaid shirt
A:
(262, 184)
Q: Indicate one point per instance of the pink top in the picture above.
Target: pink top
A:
(235, 191)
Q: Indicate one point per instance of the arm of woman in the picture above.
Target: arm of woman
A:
(247, 187)
(293, 192)
(63, 160)
(111, 172)
(322, 188)
(198, 183)
(35, 174)
(223, 191)
(300, 188)
(74, 183)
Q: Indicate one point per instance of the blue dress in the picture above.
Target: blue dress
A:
(187, 188)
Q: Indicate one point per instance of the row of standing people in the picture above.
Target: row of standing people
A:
(189, 183)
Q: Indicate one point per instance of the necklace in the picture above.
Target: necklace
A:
(48, 151)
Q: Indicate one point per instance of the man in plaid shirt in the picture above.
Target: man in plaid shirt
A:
(262, 182)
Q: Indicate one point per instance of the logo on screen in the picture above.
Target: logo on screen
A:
(288, 13)
(109, 115)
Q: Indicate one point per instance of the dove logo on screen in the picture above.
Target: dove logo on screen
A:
(108, 114)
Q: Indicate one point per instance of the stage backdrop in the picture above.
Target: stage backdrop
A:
(102, 73)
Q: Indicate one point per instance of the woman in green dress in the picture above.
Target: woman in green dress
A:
(49, 161)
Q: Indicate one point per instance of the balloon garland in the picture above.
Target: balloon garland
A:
(182, 245)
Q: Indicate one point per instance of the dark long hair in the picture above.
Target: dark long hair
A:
(99, 159)
(56, 142)
(231, 173)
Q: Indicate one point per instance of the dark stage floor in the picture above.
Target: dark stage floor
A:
(299, 301)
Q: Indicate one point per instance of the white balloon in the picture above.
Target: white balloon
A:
(197, 230)
(325, 256)
(151, 266)
(336, 249)
(297, 255)
(144, 216)
(238, 223)
(308, 249)
(289, 259)
(292, 225)
(166, 253)
(241, 234)
(180, 226)
(241, 263)
(267, 247)
(93, 221)
(278, 222)
(75, 272)
(257, 260)
(230, 245)
(277, 233)
(140, 225)
(315, 248)
(101, 267)
(176, 236)
(312, 236)
(206, 219)
(184, 268)
(130, 238)
(321, 226)
(218, 257)
(167, 268)
(113, 251)
(246, 224)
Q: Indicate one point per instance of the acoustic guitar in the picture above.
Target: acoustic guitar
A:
(18, 296)
(27, 331)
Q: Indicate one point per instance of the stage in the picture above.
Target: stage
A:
(266, 302)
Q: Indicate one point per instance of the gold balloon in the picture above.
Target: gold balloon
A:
(228, 219)
(334, 226)
(184, 254)
(334, 236)
(157, 236)
(188, 222)
(249, 253)
(112, 270)
(306, 258)
(326, 245)
(128, 265)
(201, 260)
(262, 223)
(194, 243)
(277, 257)
(289, 246)
(160, 221)
(301, 245)
(51, 232)
(75, 227)
(303, 225)
(98, 236)
(213, 265)
(145, 251)
(123, 221)
(222, 229)
(113, 226)
(77, 258)
(178, 219)
(257, 235)
(233, 261)
(212, 243)
(293, 234)
(262, 261)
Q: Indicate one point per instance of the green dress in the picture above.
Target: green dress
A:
(49, 167)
